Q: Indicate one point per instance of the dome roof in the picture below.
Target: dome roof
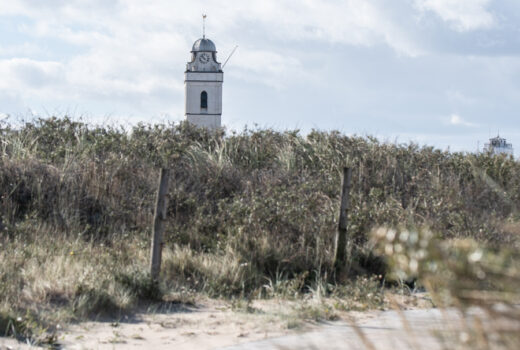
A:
(204, 45)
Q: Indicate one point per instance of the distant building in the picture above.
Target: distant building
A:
(498, 145)
(203, 85)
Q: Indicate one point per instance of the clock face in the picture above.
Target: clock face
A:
(204, 58)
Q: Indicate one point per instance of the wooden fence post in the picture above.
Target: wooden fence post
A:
(158, 225)
(340, 254)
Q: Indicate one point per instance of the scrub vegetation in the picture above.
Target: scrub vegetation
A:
(251, 214)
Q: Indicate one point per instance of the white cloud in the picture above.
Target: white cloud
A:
(457, 96)
(23, 49)
(273, 69)
(350, 22)
(29, 75)
(456, 119)
(135, 51)
(463, 15)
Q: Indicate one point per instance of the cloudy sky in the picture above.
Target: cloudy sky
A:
(437, 72)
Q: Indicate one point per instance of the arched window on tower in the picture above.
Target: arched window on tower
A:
(203, 99)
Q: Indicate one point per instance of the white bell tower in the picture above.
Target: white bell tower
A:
(203, 85)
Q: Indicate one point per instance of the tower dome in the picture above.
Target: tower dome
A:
(204, 45)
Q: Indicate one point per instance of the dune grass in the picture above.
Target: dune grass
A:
(250, 214)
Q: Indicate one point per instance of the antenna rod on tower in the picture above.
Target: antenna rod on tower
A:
(204, 26)
(231, 54)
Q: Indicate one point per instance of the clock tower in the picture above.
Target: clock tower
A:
(203, 86)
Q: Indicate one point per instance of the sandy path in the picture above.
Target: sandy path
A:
(427, 329)
(383, 331)
(217, 325)
(221, 328)
(210, 325)
(201, 328)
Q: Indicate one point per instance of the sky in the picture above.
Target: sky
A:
(444, 73)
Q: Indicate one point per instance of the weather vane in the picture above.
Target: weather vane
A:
(204, 26)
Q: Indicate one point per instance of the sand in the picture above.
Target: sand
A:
(209, 325)
(270, 324)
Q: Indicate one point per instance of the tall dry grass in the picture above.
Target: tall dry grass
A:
(248, 211)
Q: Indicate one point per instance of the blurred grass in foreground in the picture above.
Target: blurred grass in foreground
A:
(462, 274)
